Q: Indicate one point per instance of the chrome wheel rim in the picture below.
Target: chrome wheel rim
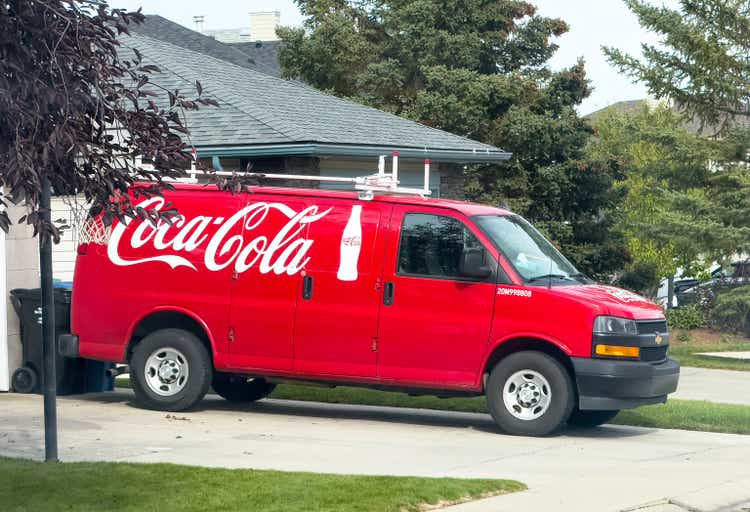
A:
(166, 371)
(527, 395)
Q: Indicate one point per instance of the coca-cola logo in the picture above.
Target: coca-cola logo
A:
(623, 295)
(351, 241)
(285, 252)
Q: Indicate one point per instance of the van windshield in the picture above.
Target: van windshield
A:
(534, 258)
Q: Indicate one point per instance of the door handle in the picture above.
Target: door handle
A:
(307, 287)
(388, 293)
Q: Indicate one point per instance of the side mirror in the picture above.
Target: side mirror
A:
(472, 264)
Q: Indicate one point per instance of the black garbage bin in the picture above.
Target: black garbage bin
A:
(74, 375)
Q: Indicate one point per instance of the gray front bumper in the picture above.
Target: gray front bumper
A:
(612, 385)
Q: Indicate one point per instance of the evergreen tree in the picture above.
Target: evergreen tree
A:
(685, 194)
(701, 66)
(476, 68)
(702, 60)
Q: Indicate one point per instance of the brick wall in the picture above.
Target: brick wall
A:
(281, 165)
(305, 165)
(452, 181)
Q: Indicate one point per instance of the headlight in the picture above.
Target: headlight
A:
(614, 325)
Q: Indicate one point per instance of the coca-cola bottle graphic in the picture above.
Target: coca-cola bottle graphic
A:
(351, 242)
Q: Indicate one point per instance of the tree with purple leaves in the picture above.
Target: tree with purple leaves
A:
(78, 113)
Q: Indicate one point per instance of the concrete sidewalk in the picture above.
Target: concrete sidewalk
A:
(724, 386)
(612, 468)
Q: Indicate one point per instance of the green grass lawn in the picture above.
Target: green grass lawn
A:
(38, 487)
(364, 396)
(685, 346)
(690, 415)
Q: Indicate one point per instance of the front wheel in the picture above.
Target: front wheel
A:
(530, 393)
(237, 388)
(590, 419)
(170, 370)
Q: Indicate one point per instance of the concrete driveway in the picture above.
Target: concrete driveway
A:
(606, 469)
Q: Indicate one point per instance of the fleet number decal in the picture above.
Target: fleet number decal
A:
(514, 292)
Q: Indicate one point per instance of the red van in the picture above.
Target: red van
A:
(401, 293)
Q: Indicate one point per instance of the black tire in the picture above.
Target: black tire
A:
(590, 419)
(24, 380)
(238, 388)
(197, 380)
(561, 394)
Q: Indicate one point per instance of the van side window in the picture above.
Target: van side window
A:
(433, 245)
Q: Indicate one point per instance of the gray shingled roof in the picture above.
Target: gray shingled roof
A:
(258, 109)
(265, 55)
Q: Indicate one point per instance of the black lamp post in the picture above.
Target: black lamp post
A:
(49, 378)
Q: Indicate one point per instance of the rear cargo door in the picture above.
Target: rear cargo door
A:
(145, 269)
(337, 313)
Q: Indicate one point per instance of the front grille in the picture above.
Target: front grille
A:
(653, 354)
(652, 326)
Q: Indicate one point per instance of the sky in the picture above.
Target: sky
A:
(593, 23)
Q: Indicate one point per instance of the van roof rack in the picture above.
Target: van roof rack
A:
(367, 186)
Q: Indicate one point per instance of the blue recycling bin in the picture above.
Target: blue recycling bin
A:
(97, 380)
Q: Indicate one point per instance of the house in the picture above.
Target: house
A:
(262, 27)
(274, 125)
(694, 125)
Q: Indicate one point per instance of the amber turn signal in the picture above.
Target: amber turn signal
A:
(617, 351)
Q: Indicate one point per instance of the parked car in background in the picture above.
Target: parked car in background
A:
(681, 284)
(721, 280)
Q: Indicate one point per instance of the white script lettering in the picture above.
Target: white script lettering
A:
(284, 252)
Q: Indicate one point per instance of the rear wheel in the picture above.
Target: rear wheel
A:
(590, 419)
(170, 370)
(238, 388)
(530, 393)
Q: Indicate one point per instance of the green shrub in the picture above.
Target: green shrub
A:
(731, 310)
(686, 317)
(684, 336)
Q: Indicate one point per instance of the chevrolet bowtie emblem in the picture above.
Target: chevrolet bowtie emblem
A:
(658, 339)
